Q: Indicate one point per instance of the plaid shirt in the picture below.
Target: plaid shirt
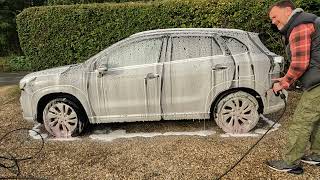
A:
(300, 47)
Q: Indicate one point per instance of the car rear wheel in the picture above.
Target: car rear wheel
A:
(237, 112)
(63, 118)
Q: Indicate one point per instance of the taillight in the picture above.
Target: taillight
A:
(279, 61)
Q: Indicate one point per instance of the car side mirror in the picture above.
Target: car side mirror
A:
(101, 70)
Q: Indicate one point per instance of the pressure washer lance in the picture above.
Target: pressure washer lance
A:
(283, 97)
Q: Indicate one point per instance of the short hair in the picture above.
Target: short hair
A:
(283, 4)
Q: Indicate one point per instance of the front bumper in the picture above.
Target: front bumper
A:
(26, 106)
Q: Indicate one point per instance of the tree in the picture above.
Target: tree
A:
(8, 33)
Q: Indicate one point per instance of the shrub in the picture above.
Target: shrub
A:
(19, 63)
(70, 2)
(58, 35)
(9, 42)
(309, 5)
(8, 34)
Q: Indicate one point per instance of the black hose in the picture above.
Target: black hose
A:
(283, 97)
(13, 167)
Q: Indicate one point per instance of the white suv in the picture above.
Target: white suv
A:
(168, 74)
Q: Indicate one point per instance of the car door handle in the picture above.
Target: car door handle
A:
(219, 67)
(152, 76)
(101, 70)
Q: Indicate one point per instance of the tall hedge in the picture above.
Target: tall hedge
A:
(70, 2)
(58, 35)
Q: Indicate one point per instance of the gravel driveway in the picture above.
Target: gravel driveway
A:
(160, 157)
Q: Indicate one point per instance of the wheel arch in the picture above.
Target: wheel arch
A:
(229, 91)
(48, 97)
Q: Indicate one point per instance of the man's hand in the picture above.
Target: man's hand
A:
(277, 87)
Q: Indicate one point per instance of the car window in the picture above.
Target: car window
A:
(235, 46)
(136, 53)
(256, 39)
(193, 47)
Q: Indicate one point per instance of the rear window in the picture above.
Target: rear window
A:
(257, 40)
(235, 46)
(187, 47)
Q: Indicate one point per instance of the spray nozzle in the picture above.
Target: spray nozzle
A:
(280, 93)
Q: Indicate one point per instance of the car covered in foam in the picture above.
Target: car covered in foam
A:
(166, 74)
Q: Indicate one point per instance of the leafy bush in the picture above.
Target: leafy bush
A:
(9, 42)
(58, 35)
(70, 2)
(19, 63)
(8, 34)
(309, 5)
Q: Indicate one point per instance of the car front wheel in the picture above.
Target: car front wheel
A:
(237, 112)
(63, 118)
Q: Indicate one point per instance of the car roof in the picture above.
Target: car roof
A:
(220, 31)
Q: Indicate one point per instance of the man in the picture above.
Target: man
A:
(301, 31)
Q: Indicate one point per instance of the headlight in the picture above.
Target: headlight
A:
(22, 85)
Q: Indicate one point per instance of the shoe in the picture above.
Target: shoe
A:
(282, 166)
(313, 159)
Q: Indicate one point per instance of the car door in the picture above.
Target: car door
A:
(195, 66)
(129, 89)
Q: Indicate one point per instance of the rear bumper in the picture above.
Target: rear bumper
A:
(274, 103)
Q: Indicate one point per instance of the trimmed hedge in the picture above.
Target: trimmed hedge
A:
(19, 63)
(70, 2)
(58, 35)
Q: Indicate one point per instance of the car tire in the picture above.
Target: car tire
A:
(237, 112)
(63, 118)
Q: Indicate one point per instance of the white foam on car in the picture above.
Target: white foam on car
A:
(257, 132)
(122, 134)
